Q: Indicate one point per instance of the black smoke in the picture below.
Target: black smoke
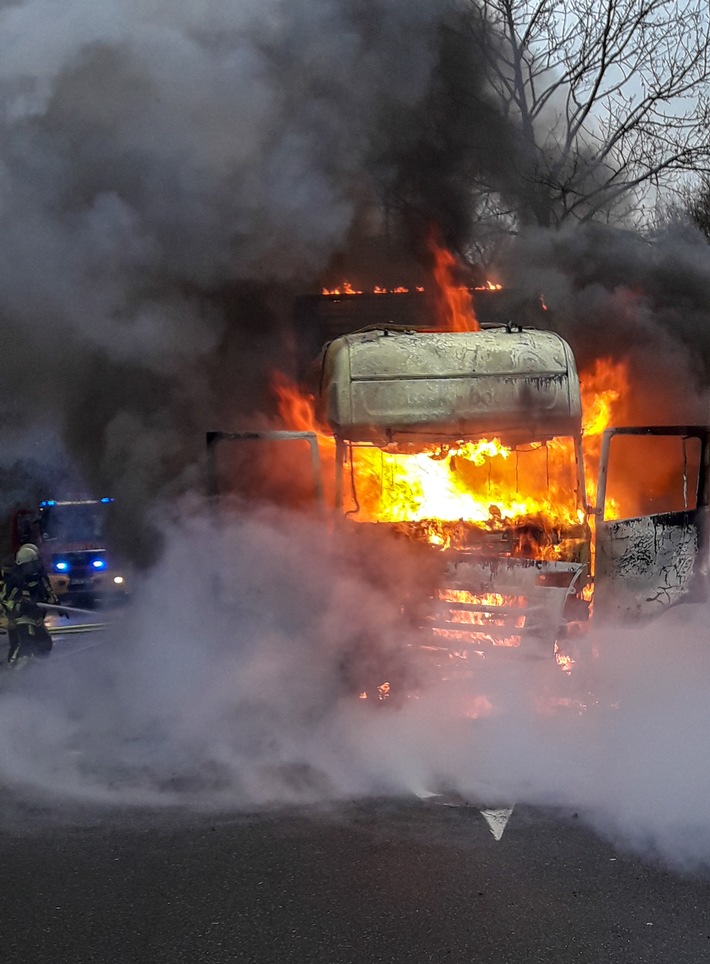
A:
(625, 296)
(172, 176)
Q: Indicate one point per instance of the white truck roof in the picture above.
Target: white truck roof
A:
(387, 386)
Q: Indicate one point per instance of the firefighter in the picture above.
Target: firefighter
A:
(26, 585)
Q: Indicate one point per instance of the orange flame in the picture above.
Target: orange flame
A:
(456, 311)
(430, 495)
(604, 387)
(345, 288)
(297, 408)
(471, 482)
(484, 621)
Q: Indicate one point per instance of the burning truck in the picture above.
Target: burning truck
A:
(455, 439)
(472, 443)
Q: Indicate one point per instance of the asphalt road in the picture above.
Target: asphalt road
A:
(402, 881)
(375, 881)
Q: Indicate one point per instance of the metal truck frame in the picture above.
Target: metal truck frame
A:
(410, 388)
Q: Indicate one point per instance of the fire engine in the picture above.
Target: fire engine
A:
(71, 537)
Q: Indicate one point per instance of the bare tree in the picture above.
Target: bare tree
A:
(609, 99)
(696, 205)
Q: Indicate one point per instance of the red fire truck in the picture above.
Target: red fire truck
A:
(71, 537)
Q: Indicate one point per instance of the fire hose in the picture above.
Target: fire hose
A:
(61, 610)
(70, 630)
(66, 611)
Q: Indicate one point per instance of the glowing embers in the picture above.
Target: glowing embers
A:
(486, 604)
(399, 290)
(563, 660)
(381, 693)
(485, 618)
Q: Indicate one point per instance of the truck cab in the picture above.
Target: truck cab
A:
(471, 443)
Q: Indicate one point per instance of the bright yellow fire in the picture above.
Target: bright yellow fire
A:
(480, 482)
(483, 483)
(605, 388)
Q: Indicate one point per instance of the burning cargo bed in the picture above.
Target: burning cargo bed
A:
(478, 416)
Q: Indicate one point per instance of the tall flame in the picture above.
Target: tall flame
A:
(605, 388)
(455, 308)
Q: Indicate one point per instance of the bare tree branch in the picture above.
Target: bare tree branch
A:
(609, 98)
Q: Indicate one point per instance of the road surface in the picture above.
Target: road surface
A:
(391, 881)
(402, 881)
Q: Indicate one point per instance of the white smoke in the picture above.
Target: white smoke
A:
(232, 681)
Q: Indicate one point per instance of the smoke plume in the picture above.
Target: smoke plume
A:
(232, 682)
(616, 294)
(170, 175)
(162, 170)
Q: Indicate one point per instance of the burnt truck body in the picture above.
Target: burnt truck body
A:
(646, 563)
(504, 583)
(515, 573)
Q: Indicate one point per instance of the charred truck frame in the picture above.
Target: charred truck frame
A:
(518, 581)
(434, 393)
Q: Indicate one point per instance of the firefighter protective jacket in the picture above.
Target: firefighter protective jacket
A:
(24, 586)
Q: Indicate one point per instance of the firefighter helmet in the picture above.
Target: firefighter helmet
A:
(27, 553)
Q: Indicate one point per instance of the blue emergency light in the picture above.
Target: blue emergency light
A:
(61, 565)
(98, 563)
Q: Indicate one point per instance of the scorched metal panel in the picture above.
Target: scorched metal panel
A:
(380, 385)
